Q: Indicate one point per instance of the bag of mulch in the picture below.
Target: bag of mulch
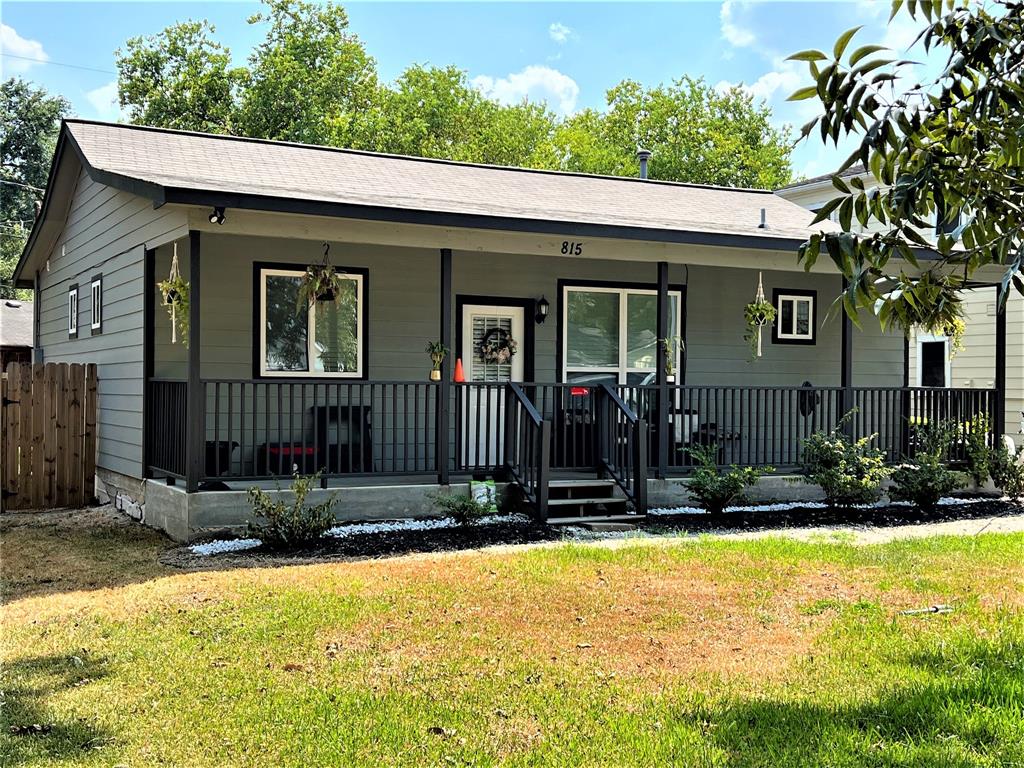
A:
(484, 492)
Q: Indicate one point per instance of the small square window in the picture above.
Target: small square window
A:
(794, 317)
(96, 322)
(73, 311)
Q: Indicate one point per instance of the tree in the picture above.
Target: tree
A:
(29, 123)
(435, 112)
(180, 78)
(310, 80)
(697, 134)
(950, 145)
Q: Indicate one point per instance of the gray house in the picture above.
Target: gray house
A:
(552, 291)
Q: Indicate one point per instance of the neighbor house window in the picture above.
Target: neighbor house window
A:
(794, 317)
(324, 340)
(73, 311)
(610, 334)
(96, 323)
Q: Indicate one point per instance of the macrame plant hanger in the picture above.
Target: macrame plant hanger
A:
(172, 278)
(759, 299)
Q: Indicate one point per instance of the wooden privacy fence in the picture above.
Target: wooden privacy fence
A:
(49, 435)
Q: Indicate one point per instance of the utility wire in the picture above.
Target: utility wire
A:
(57, 63)
(19, 184)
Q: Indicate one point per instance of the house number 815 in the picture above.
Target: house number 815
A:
(572, 248)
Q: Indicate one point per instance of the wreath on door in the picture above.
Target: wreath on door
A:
(497, 346)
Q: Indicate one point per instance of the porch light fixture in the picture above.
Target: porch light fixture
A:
(217, 215)
(543, 305)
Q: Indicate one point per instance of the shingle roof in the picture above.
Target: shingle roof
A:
(15, 323)
(177, 160)
(853, 170)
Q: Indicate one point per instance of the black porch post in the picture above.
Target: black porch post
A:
(196, 400)
(445, 387)
(999, 420)
(662, 362)
(846, 364)
(148, 270)
(904, 449)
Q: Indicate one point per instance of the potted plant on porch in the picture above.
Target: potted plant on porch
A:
(438, 352)
(175, 293)
(671, 345)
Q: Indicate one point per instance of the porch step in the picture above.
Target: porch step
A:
(586, 502)
(590, 498)
(624, 519)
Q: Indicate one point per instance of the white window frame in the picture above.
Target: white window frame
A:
(73, 311)
(310, 332)
(621, 371)
(809, 300)
(96, 305)
(928, 338)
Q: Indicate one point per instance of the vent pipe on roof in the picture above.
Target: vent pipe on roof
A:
(764, 219)
(643, 155)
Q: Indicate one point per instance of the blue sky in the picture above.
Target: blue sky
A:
(568, 54)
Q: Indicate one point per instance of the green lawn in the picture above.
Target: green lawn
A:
(768, 653)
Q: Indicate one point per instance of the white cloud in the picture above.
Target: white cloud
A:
(104, 102)
(16, 45)
(733, 32)
(536, 82)
(559, 32)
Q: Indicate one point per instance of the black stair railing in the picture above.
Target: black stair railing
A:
(622, 447)
(527, 449)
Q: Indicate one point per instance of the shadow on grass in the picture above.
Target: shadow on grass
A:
(968, 710)
(31, 731)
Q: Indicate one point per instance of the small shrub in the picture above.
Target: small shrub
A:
(979, 453)
(849, 472)
(924, 482)
(1007, 471)
(714, 489)
(465, 510)
(290, 525)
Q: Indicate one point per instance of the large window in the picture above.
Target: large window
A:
(610, 334)
(325, 340)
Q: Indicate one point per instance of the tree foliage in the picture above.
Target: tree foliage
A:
(29, 121)
(180, 78)
(949, 145)
(696, 134)
(311, 80)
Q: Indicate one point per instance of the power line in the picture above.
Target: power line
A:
(19, 184)
(57, 63)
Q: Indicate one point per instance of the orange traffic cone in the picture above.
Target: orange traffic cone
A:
(460, 376)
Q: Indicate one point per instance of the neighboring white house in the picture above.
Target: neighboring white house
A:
(932, 361)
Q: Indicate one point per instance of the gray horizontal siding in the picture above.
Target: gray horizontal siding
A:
(105, 233)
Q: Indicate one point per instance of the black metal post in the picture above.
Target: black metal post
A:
(445, 387)
(999, 421)
(196, 400)
(662, 362)
(846, 365)
(148, 302)
(905, 399)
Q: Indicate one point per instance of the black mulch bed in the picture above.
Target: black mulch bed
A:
(520, 530)
(803, 517)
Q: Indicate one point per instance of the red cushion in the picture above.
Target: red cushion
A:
(291, 450)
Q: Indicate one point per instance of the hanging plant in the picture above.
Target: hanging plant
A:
(175, 293)
(954, 329)
(671, 345)
(758, 314)
(321, 282)
(438, 352)
(497, 346)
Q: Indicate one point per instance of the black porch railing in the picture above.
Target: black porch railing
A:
(622, 446)
(258, 429)
(527, 448)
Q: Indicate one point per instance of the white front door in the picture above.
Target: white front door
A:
(483, 407)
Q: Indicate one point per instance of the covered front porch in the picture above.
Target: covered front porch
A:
(570, 405)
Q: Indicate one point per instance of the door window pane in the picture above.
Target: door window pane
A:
(286, 327)
(336, 330)
(592, 330)
(933, 364)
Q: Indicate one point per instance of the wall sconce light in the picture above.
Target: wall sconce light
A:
(543, 305)
(217, 215)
